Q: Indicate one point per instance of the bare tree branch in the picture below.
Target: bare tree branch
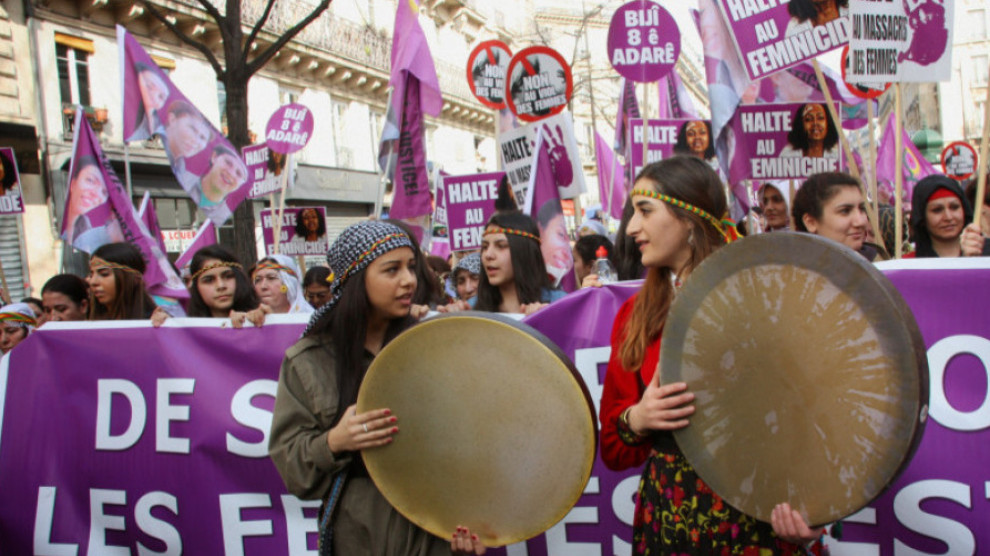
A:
(210, 57)
(261, 59)
(257, 28)
(212, 10)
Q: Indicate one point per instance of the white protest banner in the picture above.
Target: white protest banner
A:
(905, 41)
(516, 147)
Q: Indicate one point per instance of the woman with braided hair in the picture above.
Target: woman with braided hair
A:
(676, 225)
(317, 434)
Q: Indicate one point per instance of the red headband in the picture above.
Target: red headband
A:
(941, 193)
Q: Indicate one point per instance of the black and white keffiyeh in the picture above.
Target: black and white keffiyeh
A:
(470, 263)
(356, 248)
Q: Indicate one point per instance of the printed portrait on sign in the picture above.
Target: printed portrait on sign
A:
(806, 14)
(813, 133)
(694, 138)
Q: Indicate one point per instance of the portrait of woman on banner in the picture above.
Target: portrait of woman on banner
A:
(813, 133)
(154, 94)
(694, 138)
(88, 219)
(186, 133)
(807, 14)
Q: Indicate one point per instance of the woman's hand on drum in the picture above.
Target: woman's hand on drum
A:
(418, 311)
(790, 526)
(662, 408)
(360, 431)
(971, 241)
(463, 543)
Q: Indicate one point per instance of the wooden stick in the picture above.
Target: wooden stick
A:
(981, 176)
(3, 282)
(790, 214)
(898, 173)
(281, 202)
(872, 175)
(846, 148)
(646, 124)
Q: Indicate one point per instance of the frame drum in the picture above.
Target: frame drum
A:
(809, 373)
(497, 431)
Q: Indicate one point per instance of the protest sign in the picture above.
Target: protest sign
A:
(860, 90)
(959, 160)
(303, 231)
(643, 41)
(11, 201)
(204, 162)
(516, 149)
(487, 67)
(263, 166)
(470, 201)
(771, 36)
(539, 83)
(666, 138)
(289, 128)
(900, 41)
(784, 141)
(175, 457)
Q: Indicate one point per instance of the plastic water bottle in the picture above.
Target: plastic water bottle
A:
(603, 267)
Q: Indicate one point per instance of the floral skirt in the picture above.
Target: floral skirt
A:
(677, 513)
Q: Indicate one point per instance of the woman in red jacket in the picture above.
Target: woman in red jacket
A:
(677, 203)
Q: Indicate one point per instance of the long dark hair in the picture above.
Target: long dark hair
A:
(245, 298)
(132, 301)
(815, 192)
(804, 10)
(628, 259)
(9, 173)
(528, 267)
(347, 327)
(681, 147)
(798, 137)
(301, 228)
(691, 180)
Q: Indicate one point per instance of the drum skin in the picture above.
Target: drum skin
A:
(497, 430)
(809, 373)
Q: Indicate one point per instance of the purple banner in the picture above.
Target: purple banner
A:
(470, 201)
(902, 40)
(207, 235)
(771, 36)
(669, 137)
(98, 211)
(204, 162)
(174, 456)
(543, 205)
(11, 201)
(783, 141)
(289, 128)
(303, 231)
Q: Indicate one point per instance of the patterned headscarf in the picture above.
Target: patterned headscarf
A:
(470, 263)
(356, 248)
(18, 314)
(288, 271)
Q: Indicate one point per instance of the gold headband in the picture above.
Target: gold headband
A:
(97, 262)
(217, 264)
(726, 227)
(269, 264)
(497, 230)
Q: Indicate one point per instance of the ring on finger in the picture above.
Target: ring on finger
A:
(365, 427)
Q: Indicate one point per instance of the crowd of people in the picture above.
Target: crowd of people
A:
(378, 282)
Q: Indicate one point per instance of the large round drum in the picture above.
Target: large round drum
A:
(496, 428)
(809, 372)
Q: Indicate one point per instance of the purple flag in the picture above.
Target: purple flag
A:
(543, 204)
(611, 178)
(914, 165)
(146, 212)
(98, 211)
(410, 183)
(205, 163)
(675, 101)
(628, 109)
(207, 235)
